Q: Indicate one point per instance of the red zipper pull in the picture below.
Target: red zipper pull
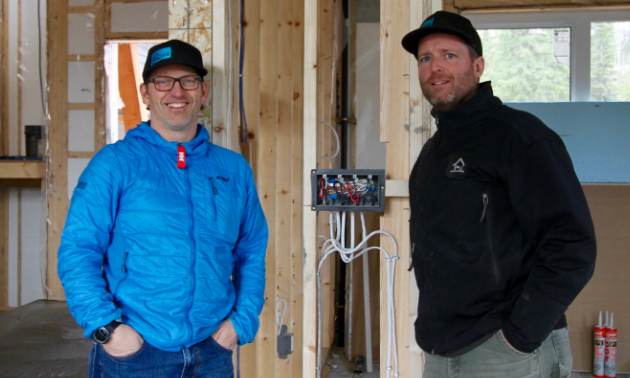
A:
(181, 156)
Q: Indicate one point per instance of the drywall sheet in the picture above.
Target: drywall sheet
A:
(150, 16)
(81, 82)
(76, 166)
(33, 243)
(81, 33)
(81, 130)
(609, 287)
(370, 152)
(13, 248)
(596, 135)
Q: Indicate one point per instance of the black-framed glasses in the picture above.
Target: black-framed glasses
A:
(166, 83)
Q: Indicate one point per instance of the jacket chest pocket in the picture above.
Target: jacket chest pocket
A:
(224, 207)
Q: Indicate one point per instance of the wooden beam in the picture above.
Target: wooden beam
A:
(537, 4)
(80, 106)
(100, 77)
(127, 87)
(297, 188)
(548, 8)
(81, 154)
(137, 74)
(161, 35)
(57, 173)
(22, 169)
(4, 140)
(82, 58)
(21, 183)
(267, 154)
(309, 218)
(283, 167)
(81, 9)
(395, 23)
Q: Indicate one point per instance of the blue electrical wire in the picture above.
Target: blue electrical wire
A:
(244, 135)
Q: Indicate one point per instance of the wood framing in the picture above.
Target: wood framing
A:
(4, 140)
(309, 219)
(57, 173)
(127, 87)
(22, 169)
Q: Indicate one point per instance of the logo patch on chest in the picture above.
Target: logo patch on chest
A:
(458, 165)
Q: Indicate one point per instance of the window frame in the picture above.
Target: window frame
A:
(579, 22)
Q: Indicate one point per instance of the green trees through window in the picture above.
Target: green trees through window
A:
(522, 67)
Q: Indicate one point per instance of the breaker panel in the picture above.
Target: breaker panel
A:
(348, 190)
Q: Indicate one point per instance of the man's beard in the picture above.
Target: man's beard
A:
(462, 90)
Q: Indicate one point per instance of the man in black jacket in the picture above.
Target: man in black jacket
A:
(502, 238)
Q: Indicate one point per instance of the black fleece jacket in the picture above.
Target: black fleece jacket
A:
(501, 233)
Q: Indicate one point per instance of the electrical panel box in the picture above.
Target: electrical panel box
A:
(348, 190)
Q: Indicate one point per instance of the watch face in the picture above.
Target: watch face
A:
(101, 335)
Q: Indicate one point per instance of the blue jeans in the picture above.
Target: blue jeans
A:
(496, 358)
(206, 359)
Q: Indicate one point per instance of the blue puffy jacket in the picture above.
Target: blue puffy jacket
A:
(171, 252)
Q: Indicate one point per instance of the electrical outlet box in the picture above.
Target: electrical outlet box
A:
(348, 190)
(285, 343)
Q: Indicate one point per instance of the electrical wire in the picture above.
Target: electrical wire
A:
(279, 321)
(335, 244)
(338, 143)
(244, 133)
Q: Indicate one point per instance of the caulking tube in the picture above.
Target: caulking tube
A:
(599, 349)
(610, 364)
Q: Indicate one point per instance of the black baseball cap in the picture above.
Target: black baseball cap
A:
(444, 22)
(173, 52)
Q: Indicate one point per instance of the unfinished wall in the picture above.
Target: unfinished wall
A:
(22, 202)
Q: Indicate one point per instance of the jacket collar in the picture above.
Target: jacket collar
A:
(481, 105)
(198, 146)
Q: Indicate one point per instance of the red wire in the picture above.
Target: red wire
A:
(322, 186)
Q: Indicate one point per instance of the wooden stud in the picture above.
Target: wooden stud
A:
(81, 9)
(81, 154)
(267, 133)
(21, 183)
(81, 106)
(82, 57)
(127, 87)
(394, 116)
(57, 173)
(297, 188)
(100, 77)
(4, 139)
(283, 166)
(309, 219)
(161, 35)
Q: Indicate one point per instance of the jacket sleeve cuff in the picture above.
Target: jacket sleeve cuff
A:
(533, 317)
(244, 328)
(91, 327)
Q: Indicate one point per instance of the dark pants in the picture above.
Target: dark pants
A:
(496, 358)
(206, 359)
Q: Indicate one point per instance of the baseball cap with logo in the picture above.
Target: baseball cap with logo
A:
(173, 52)
(444, 22)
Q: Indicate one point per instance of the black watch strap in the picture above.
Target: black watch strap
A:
(102, 334)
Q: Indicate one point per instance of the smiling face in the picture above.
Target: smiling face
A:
(174, 111)
(448, 75)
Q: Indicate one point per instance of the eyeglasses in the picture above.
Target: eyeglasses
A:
(166, 83)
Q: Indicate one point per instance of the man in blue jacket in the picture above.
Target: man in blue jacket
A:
(162, 255)
(502, 239)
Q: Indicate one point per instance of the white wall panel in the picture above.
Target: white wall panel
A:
(80, 82)
(150, 16)
(81, 130)
(13, 248)
(81, 33)
(75, 168)
(33, 244)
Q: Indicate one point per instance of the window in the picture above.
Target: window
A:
(557, 56)
(527, 65)
(610, 61)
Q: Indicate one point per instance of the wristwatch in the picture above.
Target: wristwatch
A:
(103, 334)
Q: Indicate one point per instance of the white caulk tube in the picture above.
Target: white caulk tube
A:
(599, 349)
(610, 364)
